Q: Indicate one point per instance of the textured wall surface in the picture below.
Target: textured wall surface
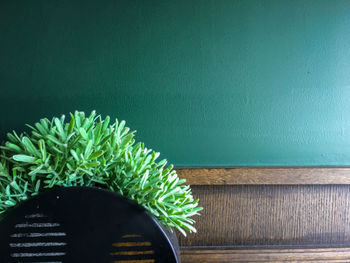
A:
(225, 82)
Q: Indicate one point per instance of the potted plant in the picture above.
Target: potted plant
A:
(88, 151)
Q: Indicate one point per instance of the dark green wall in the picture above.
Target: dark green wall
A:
(204, 82)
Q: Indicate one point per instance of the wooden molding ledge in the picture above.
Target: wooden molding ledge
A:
(265, 255)
(265, 175)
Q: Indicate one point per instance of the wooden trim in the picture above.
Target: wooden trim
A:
(265, 175)
(265, 255)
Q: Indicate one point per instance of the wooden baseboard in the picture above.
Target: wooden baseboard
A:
(265, 175)
(287, 214)
(265, 255)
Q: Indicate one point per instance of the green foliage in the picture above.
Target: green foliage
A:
(89, 151)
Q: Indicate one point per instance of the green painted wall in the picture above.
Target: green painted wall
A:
(224, 82)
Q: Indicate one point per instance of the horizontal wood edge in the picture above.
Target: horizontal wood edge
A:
(265, 175)
(265, 255)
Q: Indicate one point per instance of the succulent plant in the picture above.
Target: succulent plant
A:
(90, 151)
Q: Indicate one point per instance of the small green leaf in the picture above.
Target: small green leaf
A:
(42, 148)
(75, 155)
(71, 124)
(14, 147)
(37, 186)
(121, 126)
(95, 155)
(54, 140)
(45, 123)
(105, 123)
(92, 164)
(10, 202)
(181, 230)
(40, 128)
(24, 158)
(13, 138)
(83, 134)
(88, 149)
(29, 146)
(188, 227)
(15, 186)
(60, 129)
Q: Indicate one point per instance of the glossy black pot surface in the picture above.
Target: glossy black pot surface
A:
(81, 224)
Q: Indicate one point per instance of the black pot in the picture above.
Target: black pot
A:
(81, 224)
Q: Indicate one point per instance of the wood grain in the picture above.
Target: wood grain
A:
(266, 255)
(276, 208)
(265, 175)
(270, 215)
